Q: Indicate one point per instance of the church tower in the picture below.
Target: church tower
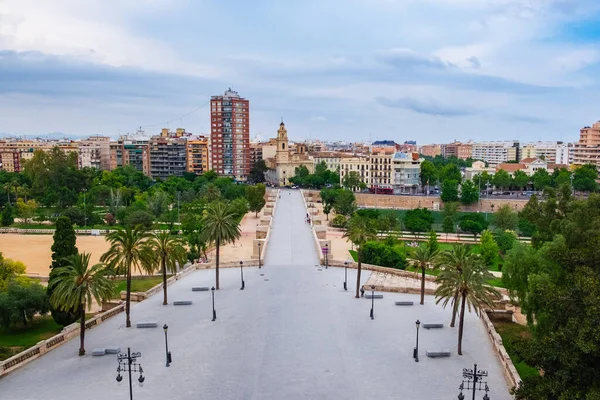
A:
(283, 151)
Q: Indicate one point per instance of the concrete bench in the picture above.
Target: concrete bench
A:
(200, 289)
(373, 296)
(98, 352)
(433, 326)
(437, 354)
(182, 303)
(112, 350)
(147, 324)
(404, 303)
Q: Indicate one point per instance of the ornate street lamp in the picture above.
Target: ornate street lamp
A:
(473, 381)
(128, 363)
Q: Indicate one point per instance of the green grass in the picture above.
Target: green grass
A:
(511, 334)
(40, 328)
(137, 285)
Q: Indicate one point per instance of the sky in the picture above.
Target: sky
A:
(355, 70)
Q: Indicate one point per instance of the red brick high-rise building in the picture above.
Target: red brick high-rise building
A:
(230, 135)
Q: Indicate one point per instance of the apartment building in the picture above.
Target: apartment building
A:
(456, 149)
(359, 164)
(168, 156)
(197, 155)
(552, 152)
(381, 168)
(587, 149)
(256, 153)
(14, 152)
(431, 150)
(94, 152)
(406, 169)
(131, 150)
(495, 153)
(331, 159)
(230, 135)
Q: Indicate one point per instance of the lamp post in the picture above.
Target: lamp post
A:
(242, 275)
(346, 275)
(178, 210)
(416, 352)
(372, 301)
(571, 178)
(167, 352)
(84, 210)
(128, 363)
(326, 255)
(473, 382)
(259, 255)
(212, 289)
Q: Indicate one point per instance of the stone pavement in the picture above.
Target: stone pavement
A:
(294, 333)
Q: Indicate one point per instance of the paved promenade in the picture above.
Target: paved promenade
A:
(292, 334)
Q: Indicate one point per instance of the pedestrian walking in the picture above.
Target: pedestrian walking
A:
(362, 291)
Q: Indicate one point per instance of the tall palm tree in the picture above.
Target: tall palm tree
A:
(470, 283)
(76, 284)
(455, 259)
(165, 252)
(423, 258)
(360, 231)
(127, 251)
(221, 227)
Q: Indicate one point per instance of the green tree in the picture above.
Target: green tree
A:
(585, 177)
(127, 252)
(165, 253)
(506, 218)
(501, 179)
(488, 248)
(158, 203)
(140, 218)
(345, 203)
(221, 227)
(467, 285)
(422, 259)
(448, 226)
(449, 190)
(432, 243)
(360, 231)
(77, 284)
(520, 180)
(210, 192)
(473, 223)
(26, 209)
(8, 215)
(469, 193)
(450, 172)
(418, 220)
(455, 259)
(63, 246)
(10, 270)
(256, 197)
(506, 239)
(428, 173)
(328, 197)
(351, 180)
(21, 301)
(560, 177)
(257, 172)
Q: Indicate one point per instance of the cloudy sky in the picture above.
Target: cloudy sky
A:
(428, 70)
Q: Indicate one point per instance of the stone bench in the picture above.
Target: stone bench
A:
(99, 352)
(200, 289)
(182, 303)
(437, 354)
(373, 296)
(112, 350)
(147, 324)
(404, 303)
(433, 326)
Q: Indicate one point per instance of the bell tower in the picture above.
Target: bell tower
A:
(283, 152)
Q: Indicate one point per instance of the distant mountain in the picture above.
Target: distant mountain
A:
(49, 135)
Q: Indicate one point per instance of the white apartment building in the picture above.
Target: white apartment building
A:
(406, 169)
(495, 153)
(552, 152)
(94, 152)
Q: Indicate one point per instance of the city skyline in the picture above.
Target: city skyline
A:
(431, 71)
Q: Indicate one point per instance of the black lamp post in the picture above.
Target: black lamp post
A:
(242, 275)
(346, 275)
(212, 289)
(326, 255)
(127, 363)
(474, 382)
(372, 301)
(167, 352)
(416, 352)
(259, 255)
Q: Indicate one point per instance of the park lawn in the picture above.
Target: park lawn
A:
(511, 332)
(141, 284)
(33, 225)
(438, 216)
(40, 328)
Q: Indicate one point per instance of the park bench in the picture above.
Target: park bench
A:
(182, 303)
(437, 354)
(199, 288)
(147, 324)
(404, 303)
(98, 352)
(373, 296)
(112, 350)
(433, 326)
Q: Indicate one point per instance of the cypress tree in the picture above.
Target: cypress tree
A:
(63, 246)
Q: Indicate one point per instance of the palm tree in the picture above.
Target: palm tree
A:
(455, 259)
(210, 192)
(221, 227)
(423, 258)
(167, 252)
(360, 231)
(470, 283)
(127, 251)
(76, 284)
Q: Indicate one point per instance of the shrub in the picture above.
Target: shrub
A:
(142, 218)
(379, 253)
(339, 221)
